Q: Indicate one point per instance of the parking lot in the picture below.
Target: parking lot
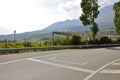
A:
(71, 64)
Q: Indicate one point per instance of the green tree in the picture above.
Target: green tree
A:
(116, 8)
(90, 13)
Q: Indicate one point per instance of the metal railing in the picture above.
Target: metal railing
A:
(58, 47)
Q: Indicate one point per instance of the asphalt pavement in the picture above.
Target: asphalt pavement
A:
(70, 64)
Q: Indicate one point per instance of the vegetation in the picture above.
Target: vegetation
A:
(117, 17)
(76, 40)
(118, 40)
(90, 12)
(73, 40)
(105, 40)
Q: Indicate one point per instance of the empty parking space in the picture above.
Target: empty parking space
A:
(29, 70)
(91, 64)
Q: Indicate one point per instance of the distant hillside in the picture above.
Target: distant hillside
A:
(73, 25)
(105, 18)
(105, 21)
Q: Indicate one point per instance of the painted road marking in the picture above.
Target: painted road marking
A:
(117, 64)
(111, 71)
(91, 75)
(12, 61)
(50, 55)
(69, 62)
(61, 65)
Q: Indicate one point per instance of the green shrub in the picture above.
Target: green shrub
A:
(62, 41)
(118, 40)
(105, 40)
(76, 40)
(66, 41)
(1, 45)
(93, 42)
(83, 42)
(19, 45)
(27, 44)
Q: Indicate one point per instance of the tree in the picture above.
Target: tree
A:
(90, 13)
(116, 8)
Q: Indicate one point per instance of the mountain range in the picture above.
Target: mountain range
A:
(104, 20)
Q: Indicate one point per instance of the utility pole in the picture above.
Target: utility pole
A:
(5, 42)
(15, 38)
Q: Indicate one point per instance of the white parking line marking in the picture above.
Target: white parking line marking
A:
(117, 64)
(12, 61)
(91, 75)
(50, 55)
(111, 71)
(61, 65)
(31, 57)
(69, 62)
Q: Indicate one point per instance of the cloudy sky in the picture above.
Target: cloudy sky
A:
(30, 15)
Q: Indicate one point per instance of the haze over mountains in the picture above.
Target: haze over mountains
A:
(104, 20)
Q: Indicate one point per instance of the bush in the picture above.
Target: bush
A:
(62, 41)
(93, 42)
(83, 42)
(105, 40)
(27, 44)
(76, 40)
(66, 41)
(118, 40)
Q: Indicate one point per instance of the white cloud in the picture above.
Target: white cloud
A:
(71, 9)
(104, 3)
(51, 4)
(20, 15)
(29, 15)
(64, 9)
(3, 30)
